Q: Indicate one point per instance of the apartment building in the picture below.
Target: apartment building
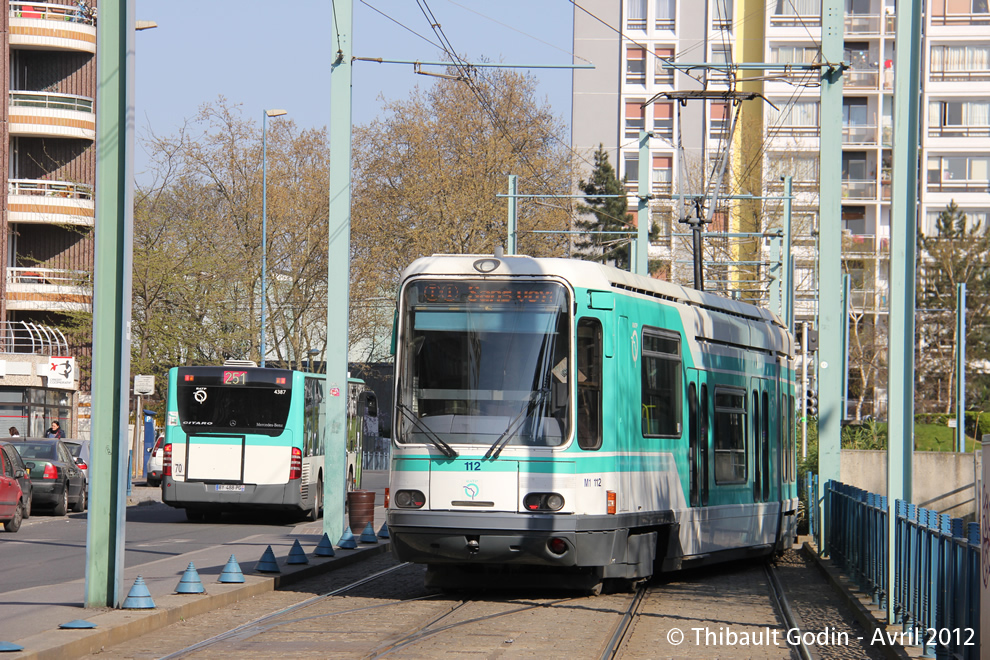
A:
(48, 214)
(629, 41)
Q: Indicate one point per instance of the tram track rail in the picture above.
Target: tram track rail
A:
(791, 620)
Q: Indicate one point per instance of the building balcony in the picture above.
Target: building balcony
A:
(45, 26)
(49, 289)
(860, 78)
(853, 189)
(24, 337)
(50, 202)
(956, 20)
(958, 186)
(959, 75)
(859, 134)
(795, 21)
(958, 131)
(40, 114)
(862, 24)
(860, 245)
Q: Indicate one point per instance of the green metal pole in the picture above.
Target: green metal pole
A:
(776, 278)
(903, 228)
(846, 298)
(961, 367)
(338, 272)
(788, 274)
(513, 213)
(830, 315)
(641, 265)
(111, 303)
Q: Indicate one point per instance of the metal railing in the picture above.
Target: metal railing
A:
(39, 187)
(51, 101)
(862, 24)
(375, 460)
(52, 12)
(961, 19)
(50, 276)
(936, 595)
(26, 337)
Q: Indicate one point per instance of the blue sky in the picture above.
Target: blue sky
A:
(277, 54)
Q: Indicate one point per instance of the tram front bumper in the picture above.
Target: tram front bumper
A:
(451, 538)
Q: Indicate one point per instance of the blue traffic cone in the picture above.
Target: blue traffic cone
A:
(324, 548)
(231, 572)
(368, 535)
(138, 598)
(347, 541)
(7, 647)
(190, 583)
(267, 563)
(78, 624)
(296, 554)
(383, 532)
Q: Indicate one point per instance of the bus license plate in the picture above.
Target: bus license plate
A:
(233, 488)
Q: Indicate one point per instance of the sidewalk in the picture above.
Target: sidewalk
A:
(36, 613)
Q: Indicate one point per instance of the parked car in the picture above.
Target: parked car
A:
(155, 462)
(11, 496)
(25, 479)
(80, 452)
(57, 481)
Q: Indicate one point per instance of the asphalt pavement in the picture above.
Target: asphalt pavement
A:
(31, 618)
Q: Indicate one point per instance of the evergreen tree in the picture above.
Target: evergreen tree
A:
(606, 214)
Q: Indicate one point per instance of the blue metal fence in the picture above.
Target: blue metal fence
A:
(936, 579)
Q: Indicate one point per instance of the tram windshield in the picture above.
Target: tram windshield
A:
(484, 362)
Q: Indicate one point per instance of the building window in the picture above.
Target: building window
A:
(636, 14)
(589, 383)
(788, 54)
(958, 173)
(663, 121)
(960, 12)
(635, 120)
(630, 163)
(959, 118)
(666, 14)
(662, 173)
(661, 75)
(661, 407)
(718, 128)
(721, 54)
(976, 221)
(722, 14)
(798, 119)
(960, 63)
(636, 66)
(730, 436)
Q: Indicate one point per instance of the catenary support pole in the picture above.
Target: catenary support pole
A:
(830, 315)
(111, 302)
(903, 228)
(641, 266)
(513, 213)
(338, 269)
(961, 368)
(788, 260)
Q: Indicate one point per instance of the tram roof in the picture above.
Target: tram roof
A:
(586, 274)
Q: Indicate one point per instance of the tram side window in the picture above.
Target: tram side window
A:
(589, 383)
(730, 436)
(661, 407)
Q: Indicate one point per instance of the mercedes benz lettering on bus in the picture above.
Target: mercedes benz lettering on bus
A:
(567, 419)
(242, 437)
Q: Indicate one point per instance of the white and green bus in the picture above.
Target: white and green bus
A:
(241, 437)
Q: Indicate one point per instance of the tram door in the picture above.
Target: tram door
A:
(698, 425)
(762, 414)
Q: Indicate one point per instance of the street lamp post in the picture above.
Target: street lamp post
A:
(264, 219)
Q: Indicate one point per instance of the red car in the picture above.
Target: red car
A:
(12, 503)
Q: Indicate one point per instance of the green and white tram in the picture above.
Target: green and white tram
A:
(241, 437)
(569, 418)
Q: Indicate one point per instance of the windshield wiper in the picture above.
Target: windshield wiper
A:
(444, 448)
(517, 421)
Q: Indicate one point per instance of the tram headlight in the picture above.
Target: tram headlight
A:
(543, 502)
(409, 499)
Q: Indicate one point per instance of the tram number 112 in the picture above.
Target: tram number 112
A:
(596, 482)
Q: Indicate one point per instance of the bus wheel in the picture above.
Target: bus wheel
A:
(314, 514)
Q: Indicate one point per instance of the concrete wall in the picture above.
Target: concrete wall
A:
(941, 481)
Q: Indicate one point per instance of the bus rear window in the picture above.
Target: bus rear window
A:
(252, 409)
